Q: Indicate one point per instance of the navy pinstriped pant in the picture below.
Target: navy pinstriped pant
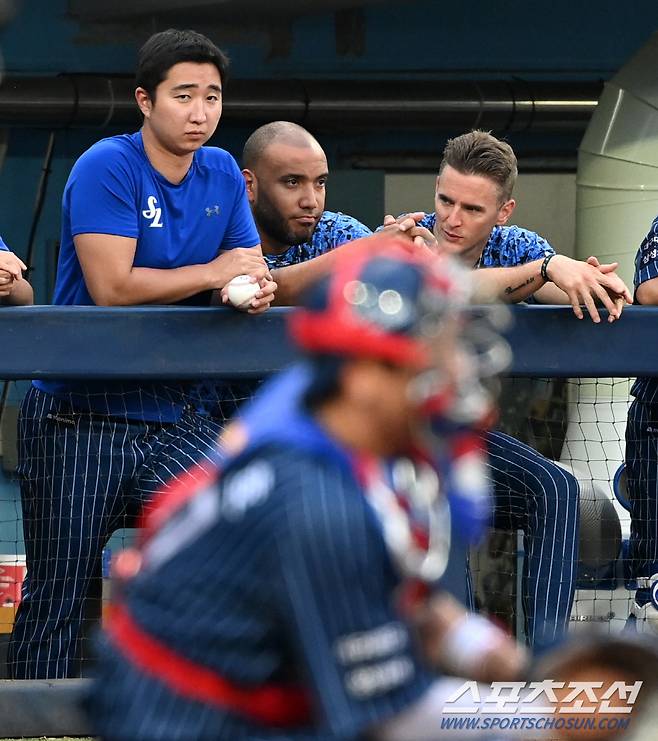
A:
(642, 478)
(82, 475)
(534, 494)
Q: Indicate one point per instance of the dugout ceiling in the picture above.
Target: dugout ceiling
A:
(112, 10)
(229, 19)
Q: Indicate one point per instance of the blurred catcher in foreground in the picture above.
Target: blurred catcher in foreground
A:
(294, 596)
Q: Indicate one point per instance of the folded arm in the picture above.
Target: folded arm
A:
(113, 280)
(294, 280)
(583, 283)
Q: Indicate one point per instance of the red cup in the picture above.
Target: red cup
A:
(12, 573)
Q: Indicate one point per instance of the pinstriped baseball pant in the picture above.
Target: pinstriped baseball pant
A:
(82, 477)
(534, 494)
(642, 479)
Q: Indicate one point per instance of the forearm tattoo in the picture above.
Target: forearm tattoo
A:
(509, 290)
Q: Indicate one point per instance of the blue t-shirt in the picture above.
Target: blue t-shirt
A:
(332, 230)
(3, 246)
(114, 189)
(279, 574)
(646, 268)
(507, 246)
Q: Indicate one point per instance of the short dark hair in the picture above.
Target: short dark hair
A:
(480, 153)
(284, 131)
(165, 49)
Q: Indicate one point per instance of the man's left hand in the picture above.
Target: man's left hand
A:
(407, 225)
(585, 283)
(263, 299)
(618, 300)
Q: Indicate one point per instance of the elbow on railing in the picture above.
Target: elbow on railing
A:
(112, 295)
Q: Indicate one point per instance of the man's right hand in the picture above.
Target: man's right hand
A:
(407, 225)
(238, 261)
(465, 644)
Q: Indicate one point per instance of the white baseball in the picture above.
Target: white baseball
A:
(241, 290)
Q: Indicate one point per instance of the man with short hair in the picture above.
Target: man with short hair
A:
(153, 217)
(473, 202)
(14, 289)
(286, 173)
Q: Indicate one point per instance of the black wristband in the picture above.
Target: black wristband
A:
(544, 267)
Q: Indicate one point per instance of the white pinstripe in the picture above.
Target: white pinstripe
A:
(543, 534)
(120, 467)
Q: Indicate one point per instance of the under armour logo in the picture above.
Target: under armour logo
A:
(153, 212)
(212, 210)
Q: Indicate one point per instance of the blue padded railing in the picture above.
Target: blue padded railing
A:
(174, 342)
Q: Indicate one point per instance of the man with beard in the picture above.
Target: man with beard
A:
(286, 172)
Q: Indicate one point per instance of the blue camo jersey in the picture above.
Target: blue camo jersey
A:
(507, 246)
(279, 574)
(646, 268)
(113, 189)
(332, 230)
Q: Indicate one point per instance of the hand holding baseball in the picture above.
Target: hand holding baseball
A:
(248, 294)
(241, 290)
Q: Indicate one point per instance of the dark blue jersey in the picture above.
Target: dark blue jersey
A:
(279, 574)
(646, 268)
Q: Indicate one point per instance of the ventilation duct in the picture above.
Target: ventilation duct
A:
(514, 105)
(617, 199)
(617, 181)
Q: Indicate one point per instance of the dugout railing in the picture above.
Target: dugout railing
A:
(164, 343)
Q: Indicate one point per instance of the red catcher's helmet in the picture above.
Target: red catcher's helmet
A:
(385, 300)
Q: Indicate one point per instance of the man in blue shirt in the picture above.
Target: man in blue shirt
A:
(642, 456)
(281, 193)
(473, 203)
(153, 217)
(292, 599)
(286, 173)
(14, 289)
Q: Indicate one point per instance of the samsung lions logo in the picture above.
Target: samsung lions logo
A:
(153, 212)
